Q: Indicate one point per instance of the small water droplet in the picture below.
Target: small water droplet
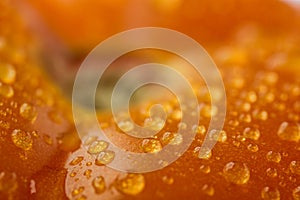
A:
(251, 133)
(296, 193)
(203, 153)
(7, 73)
(47, 139)
(28, 112)
(208, 111)
(90, 139)
(77, 191)
(87, 173)
(269, 193)
(236, 172)
(218, 135)
(201, 130)
(273, 156)
(126, 126)
(8, 182)
(260, 115)
(76, 160)
(155, 124)
(22, 139)
(97, 146)
(132, 184)
(271, 172)
(208, 190)
(252, 147)
(151, 146)
(177, 139)
(168, 180)
(99, 184)
(73, 174)
(245, 118)
(295, 167)
(251, 97)
(105, 157)
(6, 91)
(289, 131)
(205, 169)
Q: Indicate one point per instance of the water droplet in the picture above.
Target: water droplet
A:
(132, 184)
(28, 112)
(296, 193)
(6, 91)
(208, 111)
(269, 193)
(273, 156)
(99, 184)
(8, 182)
(252, 147)
(217, 135)
(73, 174)
(201, 130)
(176, 114)
(90, 139)
(271, 172)
(177, 139)
(105, 157)
(87, 173)
(208, 190)
(251, 97)
(182, 125)
(76, 160)
(203, 153)
(22, 139)
(47, 139)
(295, 167)
(168, 180)
(251, 133)
(289, 131)
(55, 116)
(97, 146)
(205, 169)
(260, 115)
(77, 191)
(7, 73)
(126, 126)
(236, 172)
(245, 118)
(151, 146)
(155, 124)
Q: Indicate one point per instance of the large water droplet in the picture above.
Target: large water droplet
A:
(236, 172)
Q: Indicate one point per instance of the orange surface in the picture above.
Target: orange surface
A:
(257, 159)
